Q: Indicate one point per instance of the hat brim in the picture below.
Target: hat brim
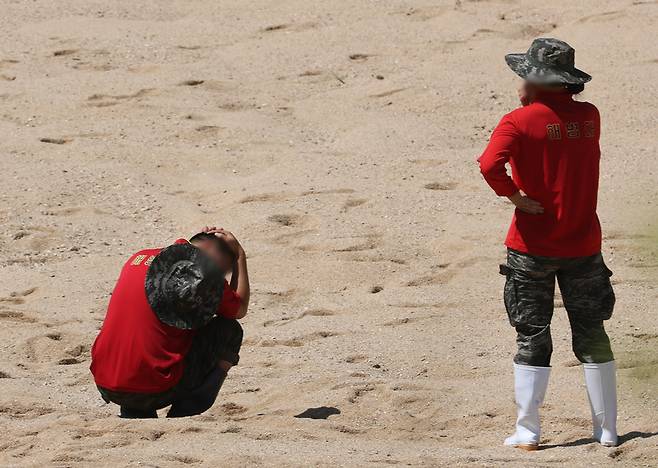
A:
(542, 74)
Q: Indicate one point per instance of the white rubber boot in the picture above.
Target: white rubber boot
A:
(530, 384)
(601, 383)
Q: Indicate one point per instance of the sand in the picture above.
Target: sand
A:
(338, 141)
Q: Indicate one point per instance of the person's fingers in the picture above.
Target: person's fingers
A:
(530, 206)
(534, 210)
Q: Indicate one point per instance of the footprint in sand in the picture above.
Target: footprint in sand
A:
(55, 141)
(441, 274)
(307, 313)
(274, 298)
(299, 341)
(359, 57)
(105, 100)
(353, 203)
(358, 392)
(17, 410)
(356, 358)
(345, 244)
(57, 347)
(441, 186)
(15, 316)
(191, 83)
(184, 459)
(388, 93)
(264, 197)
(643, 336)
(601, 17)
(311, 73)
(64, 52)
(289, 27)
(327, 191)
(423, 13)
(232, 409)
(284, 219)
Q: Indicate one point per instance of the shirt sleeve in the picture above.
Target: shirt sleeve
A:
(231, 302)
(503, 145)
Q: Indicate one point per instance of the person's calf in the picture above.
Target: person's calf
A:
(128, 413)
(200, 399)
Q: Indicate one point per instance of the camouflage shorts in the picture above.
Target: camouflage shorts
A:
(587, 296)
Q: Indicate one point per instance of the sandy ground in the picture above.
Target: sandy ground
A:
(338, 140)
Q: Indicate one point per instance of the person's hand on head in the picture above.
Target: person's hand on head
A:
(229, 238)
(525, 204)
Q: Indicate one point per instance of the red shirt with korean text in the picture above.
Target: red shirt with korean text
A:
(552, 146)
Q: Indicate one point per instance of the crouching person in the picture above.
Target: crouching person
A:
(171, 333)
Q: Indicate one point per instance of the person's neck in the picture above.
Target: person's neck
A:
(560, 96)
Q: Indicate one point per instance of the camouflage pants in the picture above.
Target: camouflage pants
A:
(219, 340)
(587, 296)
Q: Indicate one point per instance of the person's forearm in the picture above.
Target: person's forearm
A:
(234, 275)
(240, 279)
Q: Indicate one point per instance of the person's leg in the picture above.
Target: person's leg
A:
(214, 351)
(589, 299)
(529, 295)
(129, 413)
(137, 405)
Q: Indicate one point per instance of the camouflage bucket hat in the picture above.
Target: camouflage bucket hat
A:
(548, 61)
(184, 287)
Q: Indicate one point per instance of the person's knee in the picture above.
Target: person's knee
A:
(535, 345)
(591, 343)
(229, 330)
(237, 331)
(593, 350)
(225, 365)
(534, 355)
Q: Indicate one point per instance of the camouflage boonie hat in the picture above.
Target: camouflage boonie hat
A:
(548, 61)
(184, 287)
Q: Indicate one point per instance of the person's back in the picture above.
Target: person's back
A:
(135, 351)
(557, 164)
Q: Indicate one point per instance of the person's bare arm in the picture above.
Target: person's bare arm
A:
(240, 276)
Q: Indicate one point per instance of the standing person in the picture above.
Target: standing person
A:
(171, 333)
(552, 146)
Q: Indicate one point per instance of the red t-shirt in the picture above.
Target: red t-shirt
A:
(135, 351)
(552, 146)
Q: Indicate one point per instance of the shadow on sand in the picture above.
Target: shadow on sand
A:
(588, 440)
